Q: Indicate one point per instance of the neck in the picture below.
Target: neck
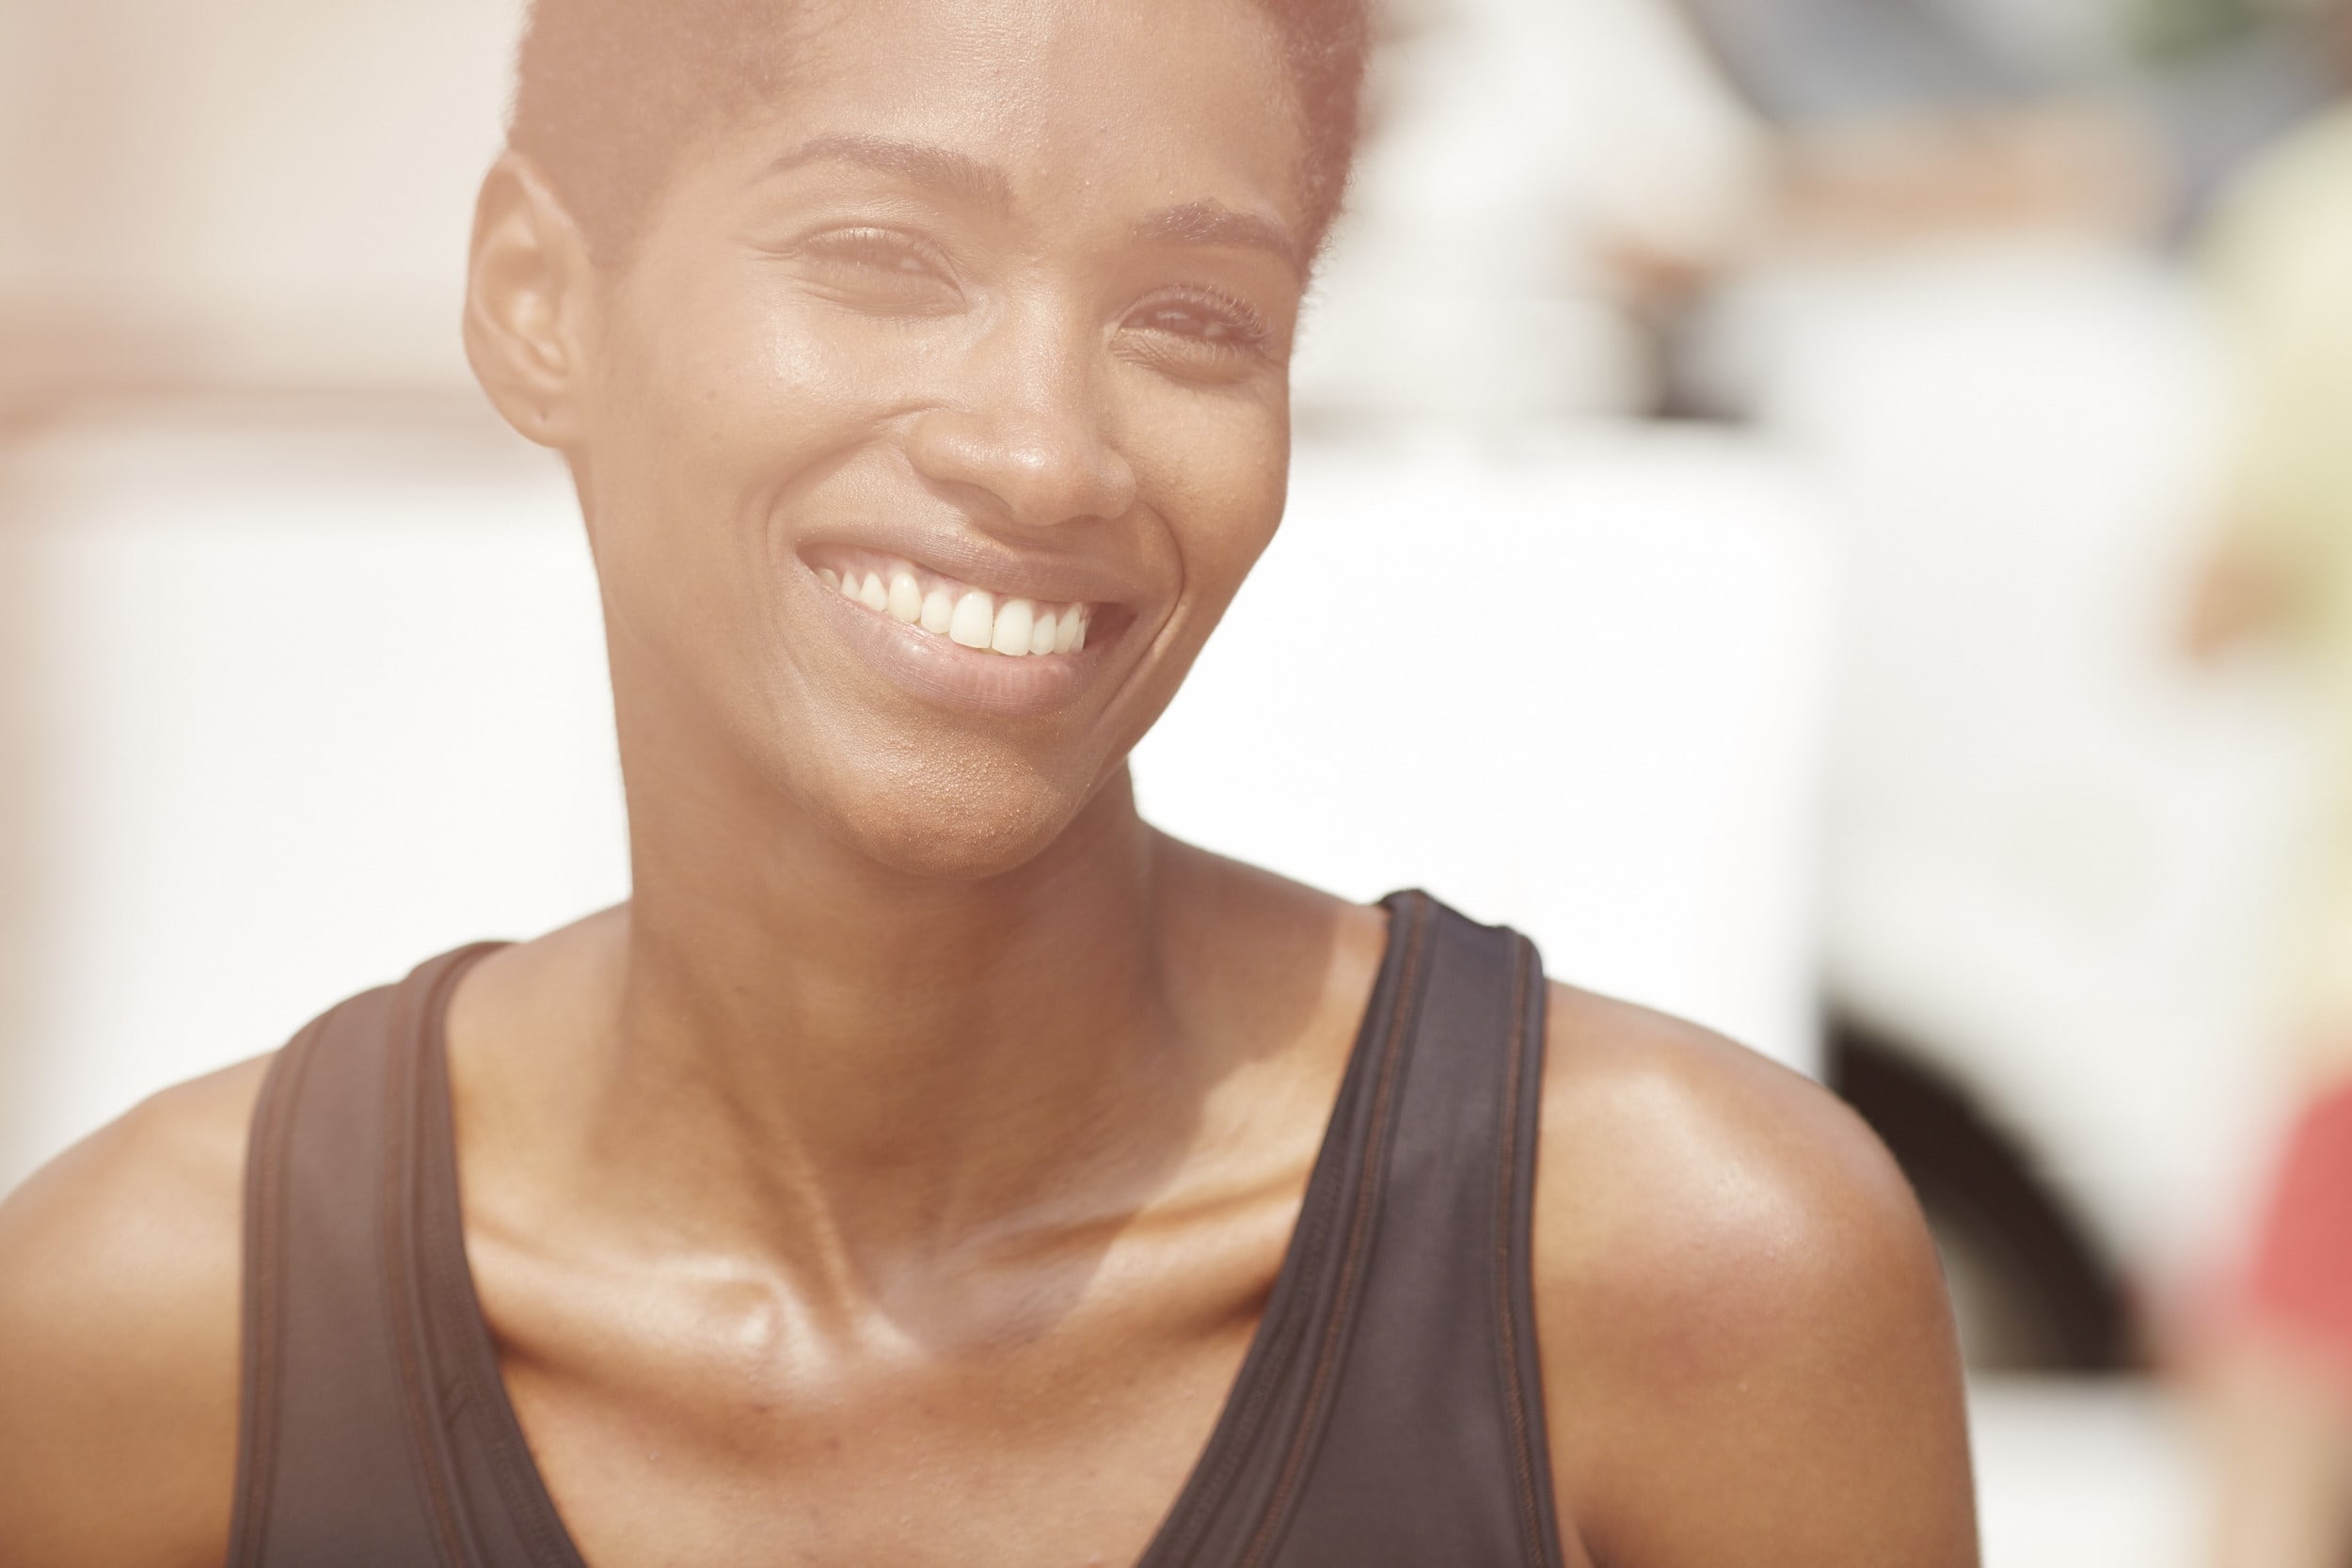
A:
(821, 1055)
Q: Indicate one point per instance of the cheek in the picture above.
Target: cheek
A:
(722, 404)
(718, 385)
(1217, 468)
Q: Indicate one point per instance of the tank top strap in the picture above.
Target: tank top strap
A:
(345, 1455)
(1432, 1449)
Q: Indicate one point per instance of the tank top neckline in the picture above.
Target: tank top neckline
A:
(1332, 1232)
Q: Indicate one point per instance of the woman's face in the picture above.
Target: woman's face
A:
(943, 405)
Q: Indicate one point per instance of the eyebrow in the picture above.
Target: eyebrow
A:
(971, 182)
(1212, 222)
(965, 180)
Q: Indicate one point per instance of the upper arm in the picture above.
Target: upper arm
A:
(119, 1287)
(1748, 1350)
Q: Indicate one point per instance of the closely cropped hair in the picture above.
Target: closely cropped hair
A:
(607, 92)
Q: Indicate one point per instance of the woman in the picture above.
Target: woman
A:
(931, 1162)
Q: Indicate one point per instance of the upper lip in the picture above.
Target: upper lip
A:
(985, 564)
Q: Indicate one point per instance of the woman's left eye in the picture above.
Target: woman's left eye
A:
(1217, 325)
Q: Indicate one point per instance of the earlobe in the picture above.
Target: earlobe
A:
(527, 293)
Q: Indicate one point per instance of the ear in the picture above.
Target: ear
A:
(528, 298)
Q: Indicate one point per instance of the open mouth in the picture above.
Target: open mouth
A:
(954, 611)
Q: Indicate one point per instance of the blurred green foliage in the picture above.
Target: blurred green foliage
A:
(2169, 31)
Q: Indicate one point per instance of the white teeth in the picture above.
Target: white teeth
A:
(1015, 621)
(939, 611)
(906, 598)
(974, 619)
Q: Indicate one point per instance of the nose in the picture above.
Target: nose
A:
(1029, 427)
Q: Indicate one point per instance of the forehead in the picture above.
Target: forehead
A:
(1087, 104)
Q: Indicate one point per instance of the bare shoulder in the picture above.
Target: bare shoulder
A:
(1748, 1350)
(120, 1269)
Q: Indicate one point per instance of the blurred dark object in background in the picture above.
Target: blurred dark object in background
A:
(2034, 1290)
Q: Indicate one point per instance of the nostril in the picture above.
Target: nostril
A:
(1036, 471)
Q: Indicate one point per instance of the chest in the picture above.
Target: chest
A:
(724, 1428)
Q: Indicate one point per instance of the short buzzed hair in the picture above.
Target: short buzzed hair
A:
(607, 92)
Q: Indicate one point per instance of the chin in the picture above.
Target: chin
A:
(955, 828)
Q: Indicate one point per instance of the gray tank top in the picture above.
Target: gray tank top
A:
(1388, 1413)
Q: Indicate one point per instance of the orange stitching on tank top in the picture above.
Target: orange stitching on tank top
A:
(262, 1328)
(1506, 1229)
(511, 1467)
(1316, 1215)
(424, 1455)
(1359, 1238)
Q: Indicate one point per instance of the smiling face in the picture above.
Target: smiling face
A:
(939, 409)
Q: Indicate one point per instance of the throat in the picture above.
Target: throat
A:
(874, 1086)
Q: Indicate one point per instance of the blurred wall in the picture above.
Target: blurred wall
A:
(241, 191)
(297, 703)
(204, 204)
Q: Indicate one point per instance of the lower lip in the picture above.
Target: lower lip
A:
(946, 673)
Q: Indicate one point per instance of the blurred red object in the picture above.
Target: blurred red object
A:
(2299, 1284)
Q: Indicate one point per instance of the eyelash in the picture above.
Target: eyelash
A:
(1249, 328)
(904, 257)
(881, 250)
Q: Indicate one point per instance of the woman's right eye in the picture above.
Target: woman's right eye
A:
(879, 269)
